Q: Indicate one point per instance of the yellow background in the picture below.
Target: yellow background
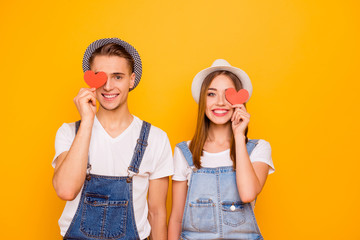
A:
(302, 57)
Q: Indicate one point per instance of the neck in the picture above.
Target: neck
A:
(220, 134)
(115, 119)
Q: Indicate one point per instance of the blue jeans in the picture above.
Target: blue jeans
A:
(106, 208)
(213, 208)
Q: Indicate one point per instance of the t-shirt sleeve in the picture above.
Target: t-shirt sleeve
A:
(262, 153)
(164, 164)
(181, 167)
(63, 140)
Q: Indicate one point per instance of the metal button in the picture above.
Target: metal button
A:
(232, 208)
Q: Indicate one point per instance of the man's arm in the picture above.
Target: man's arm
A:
(70, 169)
(157, 207)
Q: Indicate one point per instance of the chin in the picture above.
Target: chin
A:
(217, 121)
(110, 107)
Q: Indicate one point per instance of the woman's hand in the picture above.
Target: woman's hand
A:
(240, 119)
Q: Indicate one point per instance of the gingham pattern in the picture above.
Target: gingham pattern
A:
(130, 49)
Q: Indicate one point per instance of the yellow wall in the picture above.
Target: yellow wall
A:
(303, 59)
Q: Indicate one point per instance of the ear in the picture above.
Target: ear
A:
(132, 80)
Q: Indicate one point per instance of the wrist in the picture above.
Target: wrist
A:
(239, 138)
(87, 122)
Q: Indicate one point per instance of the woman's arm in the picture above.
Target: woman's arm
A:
(179, 192)
(250, 177)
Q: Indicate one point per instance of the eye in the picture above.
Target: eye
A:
(211, 94)
(118, 77)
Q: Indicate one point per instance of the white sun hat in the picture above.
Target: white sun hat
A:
(219, 64)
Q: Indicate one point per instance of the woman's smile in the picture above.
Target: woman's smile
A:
(220, 112)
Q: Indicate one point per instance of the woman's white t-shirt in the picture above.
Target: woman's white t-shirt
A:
(261, 153)
(112, 156)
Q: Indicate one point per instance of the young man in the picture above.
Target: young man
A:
(106, 164)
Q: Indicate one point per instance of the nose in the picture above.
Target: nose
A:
(221, 99)
(108, 84)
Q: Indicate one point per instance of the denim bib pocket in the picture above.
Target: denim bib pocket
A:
(233, 213)
(202, 215)
(103, 218)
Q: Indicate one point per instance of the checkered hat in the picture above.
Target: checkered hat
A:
(130, 49)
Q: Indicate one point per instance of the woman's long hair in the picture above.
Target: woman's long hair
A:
(202, 127)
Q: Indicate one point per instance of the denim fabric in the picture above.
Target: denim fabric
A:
(106, 208)
(140, 148)
(213, 208)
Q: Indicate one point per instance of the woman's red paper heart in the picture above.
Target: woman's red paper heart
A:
(234, 97)
(95, 80)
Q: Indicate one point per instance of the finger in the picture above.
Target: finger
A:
(93, 101)
(85, 92)
(238, 106)
(82, 90)
(245, 114)
(243, 111)
(244, 119)
(81, 93)
(87, 97)
(236, 117)
(234, 114)
(90, 98)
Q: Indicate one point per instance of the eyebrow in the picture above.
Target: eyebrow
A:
(117, 73)
(214, 89)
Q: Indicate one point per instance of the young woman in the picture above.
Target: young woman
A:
(220, 172)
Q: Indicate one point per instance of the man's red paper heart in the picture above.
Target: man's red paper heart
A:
(95, 80)
(234, 97)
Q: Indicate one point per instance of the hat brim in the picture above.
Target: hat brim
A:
(130, 49)
(199, 79)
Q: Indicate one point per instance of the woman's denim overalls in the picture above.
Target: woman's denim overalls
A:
(106, 209)
(213, 209)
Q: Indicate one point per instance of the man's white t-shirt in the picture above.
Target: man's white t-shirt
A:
(261, 153)
(112, 156)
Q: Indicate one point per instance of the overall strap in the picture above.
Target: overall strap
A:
(186, 152)
(251, 144)
(77, 125)
(140, 148)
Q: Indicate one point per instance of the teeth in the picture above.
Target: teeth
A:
(220, 111)
(110, 96)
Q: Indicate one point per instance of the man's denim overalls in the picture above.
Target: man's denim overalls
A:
(213, 209)
(106, 209)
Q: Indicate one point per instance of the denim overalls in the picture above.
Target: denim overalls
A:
(105, 208)
(213, 209)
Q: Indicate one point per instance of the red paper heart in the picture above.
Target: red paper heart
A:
(95, 80)
(234, 97)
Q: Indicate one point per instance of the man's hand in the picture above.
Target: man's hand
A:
(70, 169)
(85, 103)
